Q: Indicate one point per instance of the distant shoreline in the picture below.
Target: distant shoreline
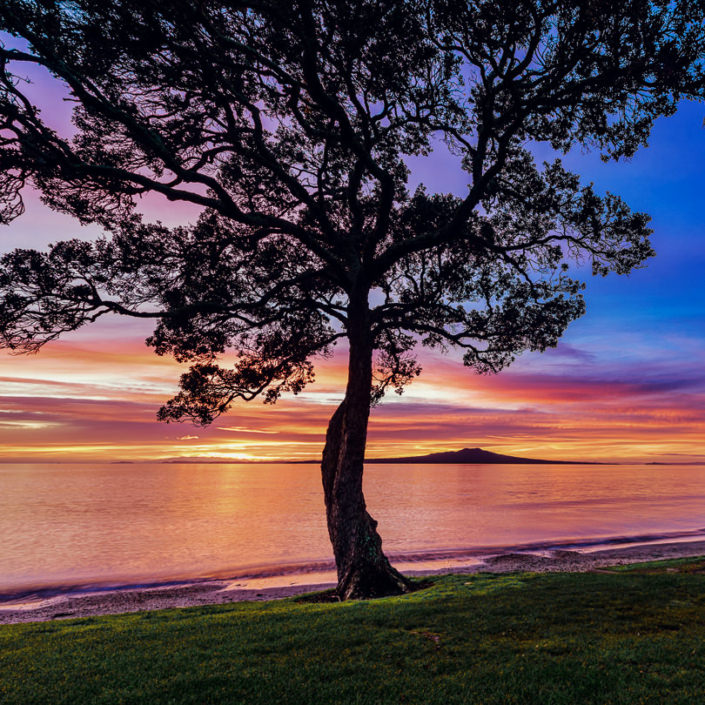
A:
(466, 456)
(418, 460)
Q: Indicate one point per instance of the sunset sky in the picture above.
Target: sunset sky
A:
(627, 382)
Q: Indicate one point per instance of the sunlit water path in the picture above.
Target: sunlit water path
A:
(135, 523)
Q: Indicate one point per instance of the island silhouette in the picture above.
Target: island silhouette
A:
(474, 456)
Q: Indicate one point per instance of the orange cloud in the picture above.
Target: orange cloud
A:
(88, 400)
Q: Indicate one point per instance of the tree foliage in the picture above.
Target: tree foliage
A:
(291, 124)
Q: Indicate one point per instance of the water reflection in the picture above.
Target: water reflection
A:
(76, 523)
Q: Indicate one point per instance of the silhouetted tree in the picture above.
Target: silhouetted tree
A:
(289, 123)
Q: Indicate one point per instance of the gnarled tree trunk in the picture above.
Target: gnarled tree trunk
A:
(363, 569)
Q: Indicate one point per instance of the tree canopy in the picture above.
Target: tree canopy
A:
(291, 124)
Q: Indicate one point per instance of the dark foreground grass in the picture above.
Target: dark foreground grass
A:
(629, 636)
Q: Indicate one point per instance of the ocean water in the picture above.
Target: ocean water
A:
(91, 524)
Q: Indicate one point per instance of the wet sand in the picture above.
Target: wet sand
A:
(73, 604)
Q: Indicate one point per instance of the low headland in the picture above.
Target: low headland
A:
(472, 456)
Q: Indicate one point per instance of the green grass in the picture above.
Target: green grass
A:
(634, 635)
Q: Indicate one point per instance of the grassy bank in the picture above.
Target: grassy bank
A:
(632, 635)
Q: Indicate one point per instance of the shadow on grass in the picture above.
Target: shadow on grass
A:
(331, 595)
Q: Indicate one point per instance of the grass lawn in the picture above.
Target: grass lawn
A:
(631, 635)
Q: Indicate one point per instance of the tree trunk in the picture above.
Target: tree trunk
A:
(363, 569)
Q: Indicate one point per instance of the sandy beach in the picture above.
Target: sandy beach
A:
(88, 603)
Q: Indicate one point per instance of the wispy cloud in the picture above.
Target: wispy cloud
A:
(645, 411)
(242, 429)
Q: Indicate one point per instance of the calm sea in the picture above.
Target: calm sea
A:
(136, 523)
